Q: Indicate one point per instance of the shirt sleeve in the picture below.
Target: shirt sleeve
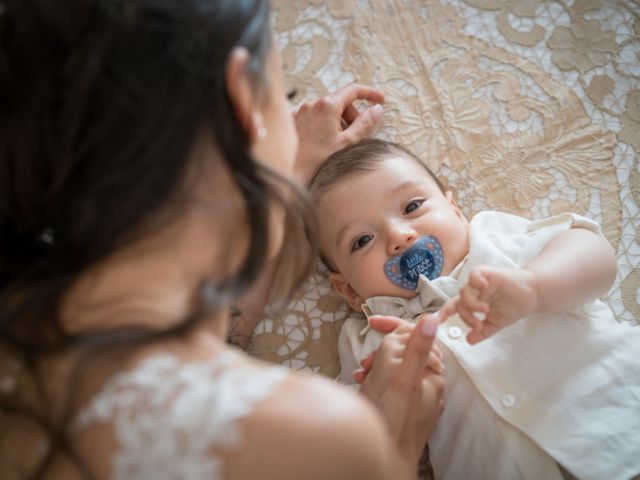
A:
(502, 239)
(354, 344)
(565, 221)
(350, 344)
(505, 240)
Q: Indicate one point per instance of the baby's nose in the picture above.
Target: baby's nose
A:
(401, 239)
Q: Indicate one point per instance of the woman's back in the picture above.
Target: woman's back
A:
(170, 417)
(200, 409)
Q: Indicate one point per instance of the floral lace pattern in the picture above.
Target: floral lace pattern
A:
(526, 106)
(168, 416)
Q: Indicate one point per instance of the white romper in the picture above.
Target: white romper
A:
(550, 389)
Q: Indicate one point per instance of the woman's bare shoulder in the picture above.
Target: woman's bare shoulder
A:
(300, 426)
(313, 428)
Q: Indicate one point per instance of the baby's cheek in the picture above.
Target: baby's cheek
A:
(369, 281)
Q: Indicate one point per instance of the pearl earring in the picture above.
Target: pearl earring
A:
(262, 132)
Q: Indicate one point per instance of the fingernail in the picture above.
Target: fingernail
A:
(480, 316)
(376, 112)
(429, 327)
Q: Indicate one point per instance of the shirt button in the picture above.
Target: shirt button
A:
(455, 332)
(508, 401)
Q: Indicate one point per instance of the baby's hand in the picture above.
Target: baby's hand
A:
(492, 299)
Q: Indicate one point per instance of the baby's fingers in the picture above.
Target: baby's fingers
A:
(475, 336)
(454, 306)
(484, 331)
(448, 309)
(368, 360)
(360, 375)
(478, 279)
(470, 299)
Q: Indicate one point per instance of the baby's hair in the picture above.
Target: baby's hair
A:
(364, 156)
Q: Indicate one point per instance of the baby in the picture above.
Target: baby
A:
(542, 382)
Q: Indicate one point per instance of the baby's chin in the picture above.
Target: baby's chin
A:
(392, 291)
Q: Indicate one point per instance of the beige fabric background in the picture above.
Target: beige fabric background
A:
(525, 106)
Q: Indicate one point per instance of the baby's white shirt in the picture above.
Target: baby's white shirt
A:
(550, 388)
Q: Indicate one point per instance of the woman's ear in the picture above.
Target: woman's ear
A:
(242, 94)
(346, 291)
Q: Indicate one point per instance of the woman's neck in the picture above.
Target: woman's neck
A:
(153, 283)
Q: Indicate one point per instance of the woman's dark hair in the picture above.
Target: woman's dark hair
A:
(101, 104)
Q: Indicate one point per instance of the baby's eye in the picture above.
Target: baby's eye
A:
(412, 206)
(361, 242)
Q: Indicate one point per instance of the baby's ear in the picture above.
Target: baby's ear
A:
(452, 200)
(346, 291)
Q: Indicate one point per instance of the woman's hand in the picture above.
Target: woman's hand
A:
(404, 389)
(387, 325)
(331, 123)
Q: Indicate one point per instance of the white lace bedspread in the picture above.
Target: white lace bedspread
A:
(530, 107)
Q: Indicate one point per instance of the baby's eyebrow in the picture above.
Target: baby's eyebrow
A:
(404, 185)
(341, 233)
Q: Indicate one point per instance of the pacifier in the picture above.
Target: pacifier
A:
(425, 257)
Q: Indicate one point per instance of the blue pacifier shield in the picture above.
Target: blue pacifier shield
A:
(423, 258)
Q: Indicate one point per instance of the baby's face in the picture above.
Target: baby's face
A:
(370, 217)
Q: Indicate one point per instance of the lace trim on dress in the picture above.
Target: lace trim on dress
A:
(169, 416)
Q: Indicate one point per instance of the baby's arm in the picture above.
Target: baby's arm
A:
(573, 267)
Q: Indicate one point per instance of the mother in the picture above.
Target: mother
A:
(146, 158)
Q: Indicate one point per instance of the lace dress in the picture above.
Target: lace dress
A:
(170, 416)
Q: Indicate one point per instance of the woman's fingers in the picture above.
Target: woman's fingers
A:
(435, 363)
(356, 91)
(349, 114)
(363, 125)
(358, 125)
(385, 324)
(436, 349)
(406, 388)
(419, 347)
(331, 123)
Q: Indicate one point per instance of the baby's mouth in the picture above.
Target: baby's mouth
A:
(425, 257)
